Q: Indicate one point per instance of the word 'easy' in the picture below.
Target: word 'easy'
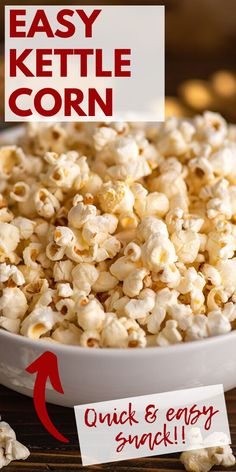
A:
(41, 23)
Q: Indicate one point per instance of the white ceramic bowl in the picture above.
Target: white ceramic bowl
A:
(89, 375)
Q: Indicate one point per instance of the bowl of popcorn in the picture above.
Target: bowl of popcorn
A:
(117, 254)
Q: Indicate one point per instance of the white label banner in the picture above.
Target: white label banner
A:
(152, 424)
(89, 63)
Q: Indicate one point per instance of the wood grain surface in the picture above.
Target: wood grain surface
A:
(48, 454)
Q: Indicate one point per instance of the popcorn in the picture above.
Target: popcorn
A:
(6, 432)
(103, 136)
(202, 168)
(126, 149)
(227, 272)
(20, 192)
(222, 161)
(124, 159)
(155, 319)
(42, 294)
(10, 448)
(92, 184)
(128, 220)
(84, 275)
(170, 184)
(90, 314)
(178, 220)
(31, 253)
(197, 460)
(136, 335)
(13, 303)
(142, 306)
(202, 460)
(114, 334)
(166, 297)
(212, 274)
(198, 329)
(42, 229)
(156, 204)
(105, 282)
(186, 245)
(216, 298)
(25, 226)
(97, 228)
(66, 306)
(10, 158)
(9, 238)
(47, 136)
(171, 164)
(6, 215)
(80, 213)
(63, 236)
(116, 198)
(169, 335)
(145, 204)
(13, 326)
(133, 251)
(133, 283)
(120, 234)
(108, 249)
(217, 323)
(164, 300)
(118, 305)
(54, 252)
(62, 271)
(211, 127)
(170, 276)
(137, 339)
(223, 455)
(63, 175)
(173, 143)
(229, 311)
(76, 252)
(11, 272)
(90, 338)
(157, 252)
(67, 334)
(64, 290)
(125, 237)
(149, 226)
(175, 220)
(182, 314)
(179, 200)
(39, 322)
(216, 207)
(31, 274)
(192, 283)
(122, 267)
(46, 203)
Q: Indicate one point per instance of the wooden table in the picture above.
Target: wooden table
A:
(48, 454)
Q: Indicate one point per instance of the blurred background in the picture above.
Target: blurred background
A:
(200, 53)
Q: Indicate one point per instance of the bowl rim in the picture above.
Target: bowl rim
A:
(120, 352)
(60, 348)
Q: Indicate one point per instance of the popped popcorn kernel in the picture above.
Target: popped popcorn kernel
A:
(10, 448)
(202, 460)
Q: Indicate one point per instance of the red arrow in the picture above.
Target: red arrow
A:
(46, 367)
